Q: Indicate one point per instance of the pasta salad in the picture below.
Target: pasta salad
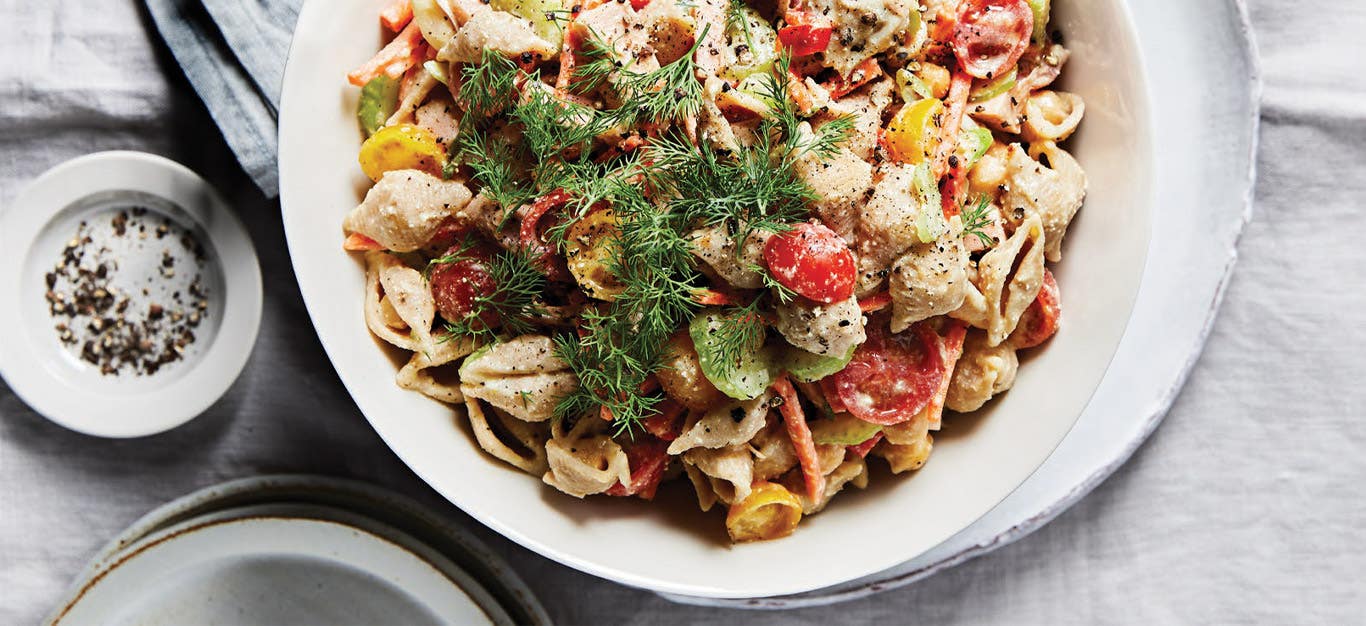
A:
(746, 243)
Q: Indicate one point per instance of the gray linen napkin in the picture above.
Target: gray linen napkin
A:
(233, 52)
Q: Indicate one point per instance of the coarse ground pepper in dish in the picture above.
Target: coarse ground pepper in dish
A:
(128, 330)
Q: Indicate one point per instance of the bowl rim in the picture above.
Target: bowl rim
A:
(1143, 101)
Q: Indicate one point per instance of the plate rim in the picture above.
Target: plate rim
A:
(655, 584)
(391, 539)
(372, 502)
(1149, 422)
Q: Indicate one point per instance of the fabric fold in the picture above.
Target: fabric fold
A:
(233, 53)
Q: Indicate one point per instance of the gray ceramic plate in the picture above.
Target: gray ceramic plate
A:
(363, 508)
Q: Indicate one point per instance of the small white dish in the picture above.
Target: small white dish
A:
(280, 564)
(50, 376)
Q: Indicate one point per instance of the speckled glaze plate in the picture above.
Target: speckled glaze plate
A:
(321, 506)
(1205, 89)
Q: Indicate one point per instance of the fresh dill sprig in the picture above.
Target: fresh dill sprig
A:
(611, 367)
(750, 190)
(620, 348)
(737, 335)
(489, 86)
(782, 292)
(655, 263)
(597, 62)
(783, 117)
(589, 183)
(493, 162)
(552, 126)
(515, 300)
(737, 18)
(663, 95)
(976, 219)
(826, 140)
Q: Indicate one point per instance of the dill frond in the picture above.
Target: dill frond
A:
(663, 95)
(493, 162)
(515, 301)
(489, 86)
(976, 219)
(736, 19)
(737, 335)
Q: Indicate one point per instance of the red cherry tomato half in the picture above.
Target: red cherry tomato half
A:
(806, 33)
(813, 261)
(455, 285)
(532, 234)
(892, 377)
(991, 35)
(1040, 320)
(668, 423)
(648, 457)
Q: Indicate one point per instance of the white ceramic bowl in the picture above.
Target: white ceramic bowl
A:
(664, 546)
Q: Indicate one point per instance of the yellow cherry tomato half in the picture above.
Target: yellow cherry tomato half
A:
(913, 135)
(401, 147)
(769, 512)
(589, 246)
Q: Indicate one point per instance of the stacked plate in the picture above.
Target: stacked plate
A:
(296, 550)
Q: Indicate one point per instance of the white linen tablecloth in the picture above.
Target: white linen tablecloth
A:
(1248, 505)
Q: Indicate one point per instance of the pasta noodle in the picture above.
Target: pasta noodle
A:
(585, 460)
(729, 424)
(730, 470)
(984, 371)
(532, 455)
(1052, 116)
(1008, 279)
(1047, 182)
(929, 280)
(521, 376)
(406, 208)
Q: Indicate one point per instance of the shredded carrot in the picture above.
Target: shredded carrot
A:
(356, 242)
(800, 434)
(956, 104)
(397, 15)
(567, 59)
(875, 302)
(712, 297)
(801, 94)
(862, 450)
(410, 77)
(953, 187)
(953, 350)
(393, 60)
(862, 75)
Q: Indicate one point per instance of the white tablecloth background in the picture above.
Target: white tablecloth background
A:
(1249, 504)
